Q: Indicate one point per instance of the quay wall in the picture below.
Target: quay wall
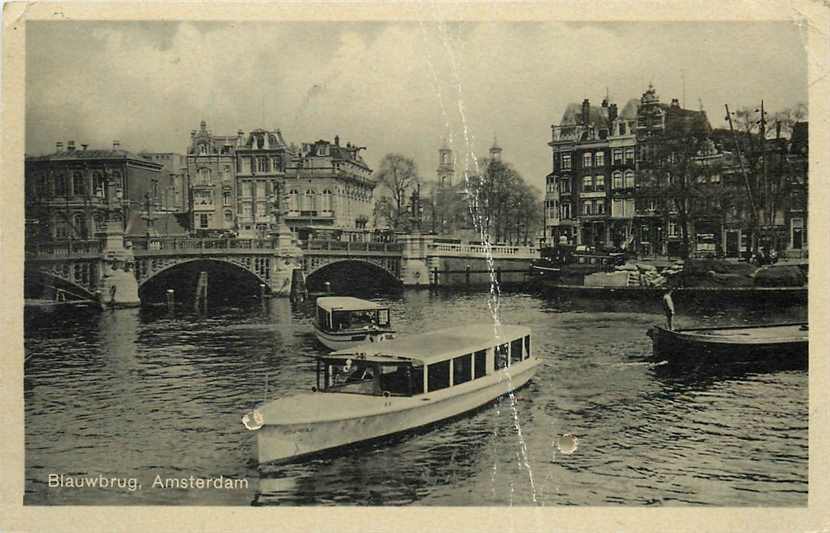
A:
(475, 271)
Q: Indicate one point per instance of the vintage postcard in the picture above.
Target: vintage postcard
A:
(528, 262)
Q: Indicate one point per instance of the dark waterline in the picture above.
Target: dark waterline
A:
(143, 393)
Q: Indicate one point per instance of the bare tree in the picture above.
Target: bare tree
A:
(398, 174)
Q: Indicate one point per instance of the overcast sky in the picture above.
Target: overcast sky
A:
(393, 87)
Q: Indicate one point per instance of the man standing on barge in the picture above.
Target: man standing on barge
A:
(668, 308)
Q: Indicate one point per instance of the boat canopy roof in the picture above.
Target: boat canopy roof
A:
(347, 303)
(434, 346)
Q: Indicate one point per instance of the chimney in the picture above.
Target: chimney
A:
(337, 140)
(59, 146)
(586, 111)
(612, 112)
(116, 145)
(70, 145)
(83, 147)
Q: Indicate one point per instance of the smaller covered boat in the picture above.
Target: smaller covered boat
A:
(785, 343)
(343, 322)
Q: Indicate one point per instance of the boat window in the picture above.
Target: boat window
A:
(500, 360)
(323, 318)
(359, 377)
(462, 369)
(481, 364)
(341, 320)
(516, 351)
(438, 376)
(527, 346)
(399, 380)
(383, 317)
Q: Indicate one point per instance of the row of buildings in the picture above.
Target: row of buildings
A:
(241, 184)
(655, 178)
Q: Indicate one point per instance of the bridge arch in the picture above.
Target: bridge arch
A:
(228, 278)
(349, 274)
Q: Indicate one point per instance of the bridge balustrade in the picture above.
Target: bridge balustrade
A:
(65, 249)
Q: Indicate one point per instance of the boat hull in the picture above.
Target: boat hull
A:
(347, 339)
(788, 347)
(289, 442)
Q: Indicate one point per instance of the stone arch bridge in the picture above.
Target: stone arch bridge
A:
(77, 268)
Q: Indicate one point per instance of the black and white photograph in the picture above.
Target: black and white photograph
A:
(426, 261)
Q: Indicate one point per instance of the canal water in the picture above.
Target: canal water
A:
(146, 393)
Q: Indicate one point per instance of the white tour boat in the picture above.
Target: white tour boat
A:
(344, 321)
(380, 389)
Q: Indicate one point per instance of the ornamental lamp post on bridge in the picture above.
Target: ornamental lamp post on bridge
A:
(117, 285)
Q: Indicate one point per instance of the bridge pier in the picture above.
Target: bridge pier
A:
(414, 265)
(118, 285)
(287, 259)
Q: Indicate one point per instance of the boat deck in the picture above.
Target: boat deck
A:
(752, 334)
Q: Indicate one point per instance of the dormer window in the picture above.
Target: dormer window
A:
(323, 149)
(203, 149)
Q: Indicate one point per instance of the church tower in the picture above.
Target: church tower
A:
(446, 166)
(495, 151)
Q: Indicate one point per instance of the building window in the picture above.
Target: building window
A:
(98, 184)
(203, 220)
(100, 222)
(617, 179)
(310, 200)
(228, 215)
(566, 161)
(599, 183)
(262, 164)
(600, 159)
(587, 183)
(617, 208)
(629, 180)
(203, 149)
(247, 189)
(629, 155)
(600, 207)
(61, 230)
(586, 207)
(260, 210)
(292, 200)
(566, 211)
(247, 209)
(565, 186)
(204, 176)
(326, 201)
(79, 224)
(226, 199)
(276, 163)
(60, 185)
(586, 160)
(617, 155)
(78, 184)
(260, 189)
(672, 229)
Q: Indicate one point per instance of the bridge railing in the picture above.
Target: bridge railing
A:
(497, 251)
(167, 244)
(350, 246)
(64, 248)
